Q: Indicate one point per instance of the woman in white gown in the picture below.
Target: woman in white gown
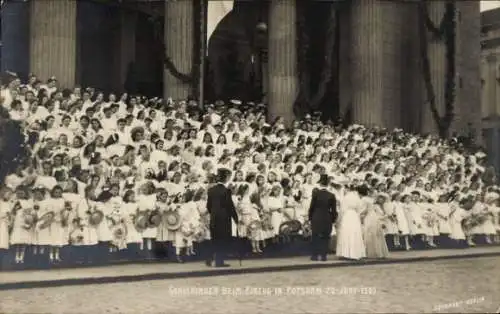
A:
(350, 243)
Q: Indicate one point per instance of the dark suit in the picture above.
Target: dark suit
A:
(221, 208)
(322, 214)
(161, 175)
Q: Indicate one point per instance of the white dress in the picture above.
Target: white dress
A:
(204, 218)
(414, 216)
(5, 208)
(90, 236)
(350, 242)
(487, 226)
(147, 202)
(55, 234)
(129, 210)
(249, 213)
(104, 228)
(457, 216)
(163, 234)
(276, 205)
(190, 223)
(390, 222)
(401, 219)
(443, 212)
(19, 234)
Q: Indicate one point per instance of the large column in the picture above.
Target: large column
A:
(53, 40)
(345, 90)
(484, 88)
(469, 89)
(496, 108)
(367, 62)
(392, 49)
(15, 37)
(179, 43)
(283, 79)
(437, 60)
(411, 93)
(491, 85)
(128, 21)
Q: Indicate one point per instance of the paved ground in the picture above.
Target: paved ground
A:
(448, 286)
(164, 270)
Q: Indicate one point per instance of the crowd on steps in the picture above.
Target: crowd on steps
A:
(117, 173)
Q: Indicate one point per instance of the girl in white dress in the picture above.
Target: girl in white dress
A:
(59, 234)
(457, 215)
(248, 214)
(391, 225)
(276, 204)
(430, 222)
(146, 201)
(162, 205)
(488, 226)
(5, 217)
(350, 242)
(414, 211)
(200, 198)
(41, 237)
(442, 211)
(130, 209)
(190, 223)
(402, 222)
(110, 206)
(22, 236)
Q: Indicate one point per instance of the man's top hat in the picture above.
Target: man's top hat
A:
(323, 180)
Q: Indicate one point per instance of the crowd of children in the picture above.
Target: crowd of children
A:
(125, 172)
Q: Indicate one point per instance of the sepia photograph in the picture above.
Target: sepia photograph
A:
(249, 156)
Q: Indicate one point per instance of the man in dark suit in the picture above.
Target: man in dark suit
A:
(322, 215)
(221, 208)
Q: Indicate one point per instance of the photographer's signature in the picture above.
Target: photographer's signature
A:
(457, 304)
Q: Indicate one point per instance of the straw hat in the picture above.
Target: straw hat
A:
(96, 217)
(172, 220)
(306, 229)
(46, 220)
(141, 221)
(154, 219)
(290, 227)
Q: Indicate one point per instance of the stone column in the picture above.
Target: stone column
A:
(367, 62)
(128, 21)
(484, 88)
(411, 96)
(179, 43)
(437, 60)
(492, 85)
(53, 40)
(496, 105)
(469, 91)
(282, 66)
(15, 37)
(392, 49)
(345, 90)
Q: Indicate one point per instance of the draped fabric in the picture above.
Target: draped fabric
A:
(216, 12)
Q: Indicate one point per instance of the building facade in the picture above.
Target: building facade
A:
(490, 83)
(100, 43)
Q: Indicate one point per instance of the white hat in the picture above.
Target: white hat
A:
(491, 197)
(235, 102)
